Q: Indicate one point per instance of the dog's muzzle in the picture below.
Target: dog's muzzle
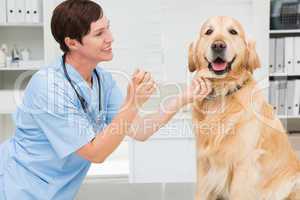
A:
(219, 66)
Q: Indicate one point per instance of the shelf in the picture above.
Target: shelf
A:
(7, 111)
(288, 117)
(116, 166)
(291, 31)
(21, 25)
(19, 68)
(283, 74)
(24, 65)
(278, 74)
(113, 168)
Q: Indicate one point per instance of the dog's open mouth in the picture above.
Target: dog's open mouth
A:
(219, 66)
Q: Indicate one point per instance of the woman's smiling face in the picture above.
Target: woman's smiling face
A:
(97, 44)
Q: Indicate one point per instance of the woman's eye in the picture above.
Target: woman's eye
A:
(209, 32)
(99, 34)
(233, 32)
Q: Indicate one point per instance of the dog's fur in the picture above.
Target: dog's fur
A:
(243, 152)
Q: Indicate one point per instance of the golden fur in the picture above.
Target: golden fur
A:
(243, 152)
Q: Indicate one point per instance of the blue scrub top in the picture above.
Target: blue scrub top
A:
(39, 161)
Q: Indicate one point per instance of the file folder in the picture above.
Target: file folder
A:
(279, 55)
(28, 11)
(36, 11)
(282, 97)
(20, 10)
(289, 55)
(11, 11)
(297, 56)
(275, 96)
(296, 100)
(272, 55)
(2, 11)
(272, 95)
(290, 97)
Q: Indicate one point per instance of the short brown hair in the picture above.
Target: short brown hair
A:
(72, 18)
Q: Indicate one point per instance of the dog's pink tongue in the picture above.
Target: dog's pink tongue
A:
(219, 66)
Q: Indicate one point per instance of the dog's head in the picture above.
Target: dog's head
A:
(222, 51)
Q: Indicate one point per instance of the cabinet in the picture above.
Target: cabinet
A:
(37, 37)
(168, 156)
(284, 76)
(14, 76)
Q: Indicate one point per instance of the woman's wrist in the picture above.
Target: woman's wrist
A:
(183, 100)
(130, 106)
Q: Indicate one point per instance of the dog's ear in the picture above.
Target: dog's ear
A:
(192, 66)
(253, 61)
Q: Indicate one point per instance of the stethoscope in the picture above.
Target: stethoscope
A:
(81, 99)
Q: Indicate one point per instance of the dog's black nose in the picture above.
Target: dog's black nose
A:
(218, 46)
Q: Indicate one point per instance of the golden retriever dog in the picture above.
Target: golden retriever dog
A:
(243, 152)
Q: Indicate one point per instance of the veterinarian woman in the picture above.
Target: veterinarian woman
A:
(72, 112)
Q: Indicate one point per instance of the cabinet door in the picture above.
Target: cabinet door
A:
(168, 156)
(169, 160)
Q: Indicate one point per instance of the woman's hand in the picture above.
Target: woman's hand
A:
(140, 89)
(197, 91)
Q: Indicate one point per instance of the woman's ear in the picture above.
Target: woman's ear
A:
(72, 44)
(253, 61)
(192, 66)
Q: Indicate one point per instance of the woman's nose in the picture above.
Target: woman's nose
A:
(109, 37)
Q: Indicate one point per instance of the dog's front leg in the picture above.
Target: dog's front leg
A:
(244, 182)
(205, 190)
(202, 196)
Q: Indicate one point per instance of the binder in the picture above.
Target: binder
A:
(36, 11)
(272, 95)
(279, 55)
(20, 11)
(275, 96)
(297, 56)
(2, 11)
(282, 87)
(272, 48)
(289, 55)
(284, 97)
(28, 5)
(296, 100)
(11, 11)
(290, 97)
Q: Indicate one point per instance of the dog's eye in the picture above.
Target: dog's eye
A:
(209, 32)
(233, 32)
